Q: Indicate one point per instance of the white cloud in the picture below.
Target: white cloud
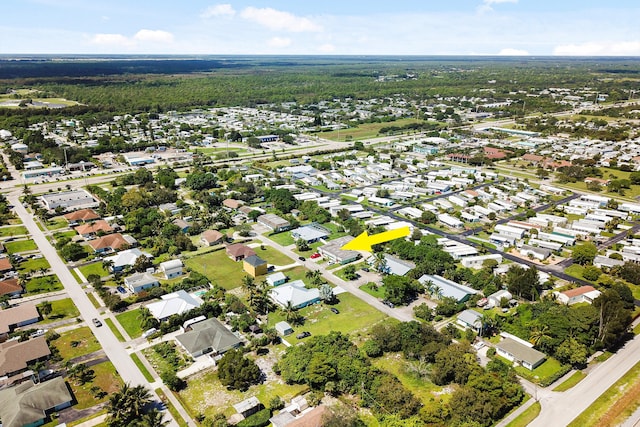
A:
(513, 52)
(223, 9)
(486, 4)
(279, 42)
(628, 48)
(279, 20)
(327, 48)
(111, 39)
(156, 36)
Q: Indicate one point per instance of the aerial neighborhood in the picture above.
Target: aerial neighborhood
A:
(205, 257)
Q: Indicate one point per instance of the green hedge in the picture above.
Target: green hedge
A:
(259, 419)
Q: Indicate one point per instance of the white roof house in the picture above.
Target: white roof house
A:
(276, 279)
(171, 268)
(174, 303)
(295, 293)
(126, 258)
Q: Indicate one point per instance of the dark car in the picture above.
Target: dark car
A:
(365, 269)
(96, 322)
(304, 334)
(121, 290)
(301, 258)
(335, 310)
(388, 303)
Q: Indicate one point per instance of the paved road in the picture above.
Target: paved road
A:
(559, 409)
(113, 348)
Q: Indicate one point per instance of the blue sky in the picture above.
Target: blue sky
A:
(346, 27)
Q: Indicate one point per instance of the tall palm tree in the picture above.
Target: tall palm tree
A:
(127, 405)
(539, 334)
(107, 264)
(488, 323)
(249, 284)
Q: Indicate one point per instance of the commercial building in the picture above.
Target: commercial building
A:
(274, 222)
(69, 200)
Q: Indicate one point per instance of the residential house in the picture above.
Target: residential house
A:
(519, 351)
(14, 317)
(208, 336)
(334, 253)
(181, 224)
(16, 356)
(174, 303)
(5, 265)
(232, 203)
(448, 288)
(477, 262)
(394, 265)
(470, 319)
(274, 222)
(574, 296)
(310, 233)
(170, 208)
(495, 299)
(276, 279)
(112, 243)
(603, 261)
(10, 287)
(82, 215)
(254, 266)
(171, 268)
(211, 237)
(29, 404)
(93, 228)
(295, 293)
(140, 281)
(238, 251)
(126, 258)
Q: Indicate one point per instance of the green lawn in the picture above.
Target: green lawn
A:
(63, 234)
(86, 343)
(273, 256)
(142, 367)
(614, 405)
(356, 317)
(575, 270)
(206, 395)
(20, 246)
(218, 268)
(373, 289)
(34, 265)
(57, 223)
(106, 377)
(543, 372)
(283, 239)
(39, 285)
(571, 381)
(130, 322)
(13, 231)
(114, 329)
(526, 417)
(93, 300)
(62, 309)
(94, 268)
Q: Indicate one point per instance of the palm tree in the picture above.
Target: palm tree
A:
(249, 284)
(488, 323)
(539, 334)
(315, 277)
(107, 264)
(153, 418)
(127, 405)
(45, 308)
(380, 263)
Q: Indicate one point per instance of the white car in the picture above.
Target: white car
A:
(38, 333)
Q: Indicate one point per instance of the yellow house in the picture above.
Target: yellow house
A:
(254, 265)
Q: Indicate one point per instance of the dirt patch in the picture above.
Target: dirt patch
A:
(630, 399)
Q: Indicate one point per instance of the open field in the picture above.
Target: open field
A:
(130, 322)
(218, 268)
(363, 131)
(20, 246)
(273, 256)
(77, 342)
(13, 231)
(355, 317)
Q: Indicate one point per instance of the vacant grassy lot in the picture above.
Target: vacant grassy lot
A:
(20, 246)
(283, 239)
(363, 131)
(62, 309)
(614, 405)
(39, 285)
(272, 256)
(34, 265)
(355, 317)
(83, 340)
(373, 289)
(130, 321)
(95, 268)
(105, 376)
(205, 394)
(218, 268)
(13, 231)
(57, 223)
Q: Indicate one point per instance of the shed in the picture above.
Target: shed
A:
(283, 328)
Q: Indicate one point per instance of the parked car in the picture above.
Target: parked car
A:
(121, 290)
(314, 256)
(388, 303)
(96, 322)
(304, 334)
(335, 310)
(38, 333)
(301, 258)
(149, 332)
(365, 269)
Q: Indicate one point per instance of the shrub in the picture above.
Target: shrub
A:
(259, 419)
